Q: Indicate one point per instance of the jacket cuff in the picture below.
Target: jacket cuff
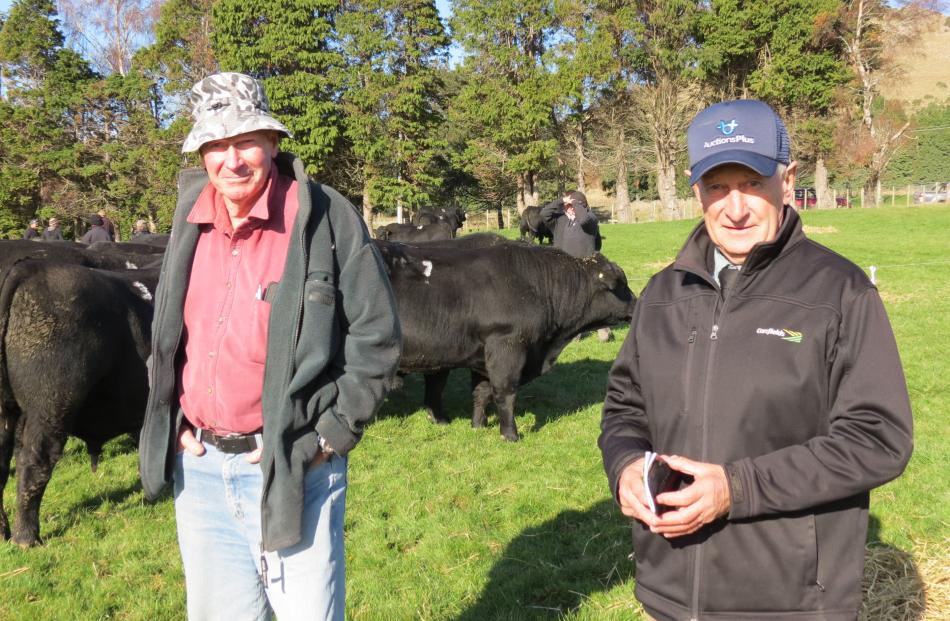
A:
(739, 488)
(336, 432)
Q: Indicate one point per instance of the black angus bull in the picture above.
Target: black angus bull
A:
(533, 227)
(505, 311)
(73, 346)
(454, 217)
(411, 233)
(103, 255)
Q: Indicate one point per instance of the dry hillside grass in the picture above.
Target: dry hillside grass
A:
(925, 68)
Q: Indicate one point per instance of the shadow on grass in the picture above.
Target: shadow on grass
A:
(551, 569)
(566, 388)
(80, 511)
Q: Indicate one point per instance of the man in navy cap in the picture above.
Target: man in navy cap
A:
(762, 368)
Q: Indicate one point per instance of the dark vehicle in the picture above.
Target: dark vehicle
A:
(806, 198)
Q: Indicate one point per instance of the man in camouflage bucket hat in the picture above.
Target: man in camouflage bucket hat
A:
(274, 338)
(225, 105)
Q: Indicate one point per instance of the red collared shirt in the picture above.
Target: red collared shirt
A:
(225, 333)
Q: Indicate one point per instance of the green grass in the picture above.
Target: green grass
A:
(453, 523)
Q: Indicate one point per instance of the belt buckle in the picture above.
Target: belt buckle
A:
(232, 444)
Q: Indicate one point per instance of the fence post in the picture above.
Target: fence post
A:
(893, 194)
(908, 196)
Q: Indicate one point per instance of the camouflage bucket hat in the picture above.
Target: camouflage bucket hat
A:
(225, 105)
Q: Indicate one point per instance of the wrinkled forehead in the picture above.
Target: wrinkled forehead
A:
(730, 171)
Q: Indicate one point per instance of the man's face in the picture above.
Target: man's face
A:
(238, 167)
(742, 208)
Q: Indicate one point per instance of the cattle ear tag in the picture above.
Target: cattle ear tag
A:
(600, 275)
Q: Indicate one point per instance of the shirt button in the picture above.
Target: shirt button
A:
(211, 354)
(234, 252)
(220, 319)
(228, 285)
(209, 390)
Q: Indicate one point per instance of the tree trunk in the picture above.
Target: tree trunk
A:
(666, 182)
(519, 195)
(367, 207)
(823, 192)
(579, 148)
(622, 192)
(531, 196)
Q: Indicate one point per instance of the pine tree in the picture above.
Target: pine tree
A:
(394, 51)
(506, 105)
(49, 120)
(291, 46)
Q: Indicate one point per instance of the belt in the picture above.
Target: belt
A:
(232, 443)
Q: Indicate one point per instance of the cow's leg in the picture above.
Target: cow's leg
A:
(481, 395)
(435, 384)
(7, 428)
(504, 361)
(40, 449)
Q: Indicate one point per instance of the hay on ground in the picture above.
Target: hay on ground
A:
(901, 587)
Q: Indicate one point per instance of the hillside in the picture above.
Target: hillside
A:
(926, 67)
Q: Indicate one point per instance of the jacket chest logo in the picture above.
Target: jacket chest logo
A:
(785, 334)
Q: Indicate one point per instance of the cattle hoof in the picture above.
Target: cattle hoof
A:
(26, 542)
(437, 420)
(605, 335)
(510, 436)
(478, 423)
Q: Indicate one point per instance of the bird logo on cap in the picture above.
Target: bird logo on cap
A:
(728, 128)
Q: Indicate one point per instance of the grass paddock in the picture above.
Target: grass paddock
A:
(451, 523)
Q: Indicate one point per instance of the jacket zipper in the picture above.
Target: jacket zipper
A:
(269, 474)
(688, 371)
(718, 314)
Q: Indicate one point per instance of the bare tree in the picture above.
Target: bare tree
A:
(619, 143)
(109, 31)
(872, 30)
(666, 108)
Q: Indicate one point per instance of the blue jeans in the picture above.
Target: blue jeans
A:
(227, 576)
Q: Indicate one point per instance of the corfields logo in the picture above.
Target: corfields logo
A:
(785, 334)
(728, 128)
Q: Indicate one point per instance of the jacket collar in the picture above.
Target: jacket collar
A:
(696, 256)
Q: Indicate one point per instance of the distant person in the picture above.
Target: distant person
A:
(763, 369)
(575, 230)
(572, 223)
(97, 231)
(140, 228)
(32, 230)
(108, 225)
(52, 232)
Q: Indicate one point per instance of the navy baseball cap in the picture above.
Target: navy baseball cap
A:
(744, 131)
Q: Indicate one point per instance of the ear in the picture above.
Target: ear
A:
(788, 184)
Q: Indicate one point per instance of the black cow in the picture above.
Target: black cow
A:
(454, 217)
(411, 233)
(533, 227)
(505, 311)
(106, 255)
(73, 346)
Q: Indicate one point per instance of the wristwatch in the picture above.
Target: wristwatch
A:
(324, 445)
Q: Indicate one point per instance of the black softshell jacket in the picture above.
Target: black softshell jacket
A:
(793, 382)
